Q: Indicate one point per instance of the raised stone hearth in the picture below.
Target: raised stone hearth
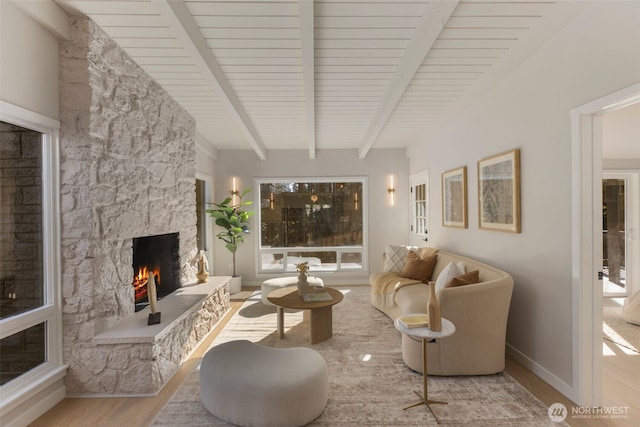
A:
(139, 358)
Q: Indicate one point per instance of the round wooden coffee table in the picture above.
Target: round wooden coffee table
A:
(320, 313)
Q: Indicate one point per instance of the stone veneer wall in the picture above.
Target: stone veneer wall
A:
(127, 170)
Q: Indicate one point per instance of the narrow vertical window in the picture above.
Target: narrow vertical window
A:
(421, 209)
(201, 215)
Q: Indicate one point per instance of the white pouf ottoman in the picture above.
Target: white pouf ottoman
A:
(271, 285)
(631, 309)
(252, 385)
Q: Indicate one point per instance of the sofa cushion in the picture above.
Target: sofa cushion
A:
(395, 257)
(466, 279)
(418, 268)
(449, 272)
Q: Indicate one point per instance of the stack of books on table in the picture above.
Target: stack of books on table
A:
(317, 297)
(414, 321)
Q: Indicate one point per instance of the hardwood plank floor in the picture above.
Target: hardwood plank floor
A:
(621, 388)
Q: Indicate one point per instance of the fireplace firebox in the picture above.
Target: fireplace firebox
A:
(158, 256)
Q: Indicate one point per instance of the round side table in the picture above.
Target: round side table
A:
(425, 334)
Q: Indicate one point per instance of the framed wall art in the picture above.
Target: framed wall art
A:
(499, 192)
(454, 198)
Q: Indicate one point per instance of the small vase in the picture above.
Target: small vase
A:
(202, 274)
(433, 308)
(203, 268)
(303, 284)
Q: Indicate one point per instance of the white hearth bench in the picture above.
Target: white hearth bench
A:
(142, 358)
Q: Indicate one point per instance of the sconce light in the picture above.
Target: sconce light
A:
(392, 191)
(234, 191)
(271, 201)
(355, 201)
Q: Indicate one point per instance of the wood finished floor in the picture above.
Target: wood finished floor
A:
(621, 388)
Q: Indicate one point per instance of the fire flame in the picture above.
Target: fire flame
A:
(140, 281)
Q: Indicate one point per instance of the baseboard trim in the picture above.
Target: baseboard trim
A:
(548, 377)
(35, 406)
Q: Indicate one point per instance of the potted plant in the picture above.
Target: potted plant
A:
(234, 220)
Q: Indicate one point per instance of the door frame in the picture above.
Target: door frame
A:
(586, 202)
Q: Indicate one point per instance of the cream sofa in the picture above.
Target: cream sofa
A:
(478, 311)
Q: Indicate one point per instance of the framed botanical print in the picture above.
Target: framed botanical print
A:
(454, 198)
(499, 192)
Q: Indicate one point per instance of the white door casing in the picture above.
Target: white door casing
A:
(586, 202)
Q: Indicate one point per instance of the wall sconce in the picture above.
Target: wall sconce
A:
(271, 201)
(355, 201)
(234, 191)
(392, 191)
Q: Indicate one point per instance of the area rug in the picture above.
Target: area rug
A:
(615, 329)
(369, 384)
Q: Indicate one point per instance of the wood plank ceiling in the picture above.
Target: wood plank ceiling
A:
(324, 74)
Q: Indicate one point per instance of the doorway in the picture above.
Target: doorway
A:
(587, 246)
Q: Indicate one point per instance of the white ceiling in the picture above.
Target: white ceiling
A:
(324, 74)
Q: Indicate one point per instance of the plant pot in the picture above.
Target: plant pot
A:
(236, 284)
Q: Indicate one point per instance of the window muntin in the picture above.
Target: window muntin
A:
(322, 218)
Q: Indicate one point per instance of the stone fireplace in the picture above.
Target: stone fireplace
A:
(127, 161)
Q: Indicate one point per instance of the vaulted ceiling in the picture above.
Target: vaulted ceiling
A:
(324, 74)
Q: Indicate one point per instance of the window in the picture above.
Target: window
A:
(201, 215)
(30, 313)
(419, 186)
(420, 209)
(204, 224)
(21, 262)
(319, 221)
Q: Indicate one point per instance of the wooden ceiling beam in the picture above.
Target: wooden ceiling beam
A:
(431, 24)
(187, 32)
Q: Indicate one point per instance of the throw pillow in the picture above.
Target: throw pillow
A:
(395, 257)
(449, 272)
(417, 268)
(426, 251)
(466, 279)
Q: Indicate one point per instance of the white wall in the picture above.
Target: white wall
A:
(621, 138)
(29, 66)
(387, 224)
(595, 54)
